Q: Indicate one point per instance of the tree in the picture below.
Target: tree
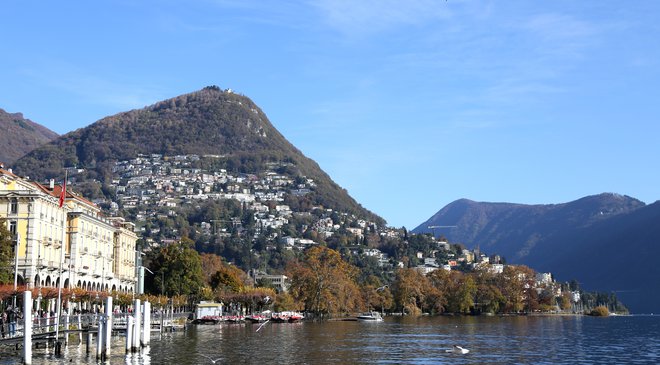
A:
(324, 282)
(211, 263)
(375, 295)
(227, 279)
(516, 284)
(6, 275)
(488, 298)
(180, 269)
(409, 290)
(565, 300)
(462, 292)
(439, 280)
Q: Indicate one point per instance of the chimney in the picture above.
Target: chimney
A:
(51, 184)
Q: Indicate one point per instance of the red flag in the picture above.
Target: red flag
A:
(63, 193)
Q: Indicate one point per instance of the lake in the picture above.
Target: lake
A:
(397, 340)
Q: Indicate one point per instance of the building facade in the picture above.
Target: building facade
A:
(72, 242)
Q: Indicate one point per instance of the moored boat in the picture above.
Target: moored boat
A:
(372, 316)
(257, 318)
(287, 316)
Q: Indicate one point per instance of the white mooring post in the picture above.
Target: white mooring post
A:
(107, 340)
(66, 329)
(136, 325)
(146, 320)
(27, 327)
(90, 336)
(129, 333)
(80, 335)
(99, 337)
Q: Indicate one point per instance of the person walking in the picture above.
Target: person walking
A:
(11, 318)
(3, 320)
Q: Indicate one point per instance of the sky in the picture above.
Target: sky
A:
(408, 105)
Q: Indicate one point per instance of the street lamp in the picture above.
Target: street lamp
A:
(18, 240)
(39, 298)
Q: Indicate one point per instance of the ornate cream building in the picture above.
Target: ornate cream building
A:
(98, 252)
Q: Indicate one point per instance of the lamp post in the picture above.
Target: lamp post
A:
(39, 298)
(18, 240)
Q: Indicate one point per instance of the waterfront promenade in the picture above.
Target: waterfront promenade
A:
(97, 329)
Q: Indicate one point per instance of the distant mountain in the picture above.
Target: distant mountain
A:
(20, 136)
(207, 122)
(608, 242)
(618, 254)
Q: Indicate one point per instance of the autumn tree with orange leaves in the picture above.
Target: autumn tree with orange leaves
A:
(324, 283)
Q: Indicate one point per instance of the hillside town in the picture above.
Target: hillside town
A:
(62, 236)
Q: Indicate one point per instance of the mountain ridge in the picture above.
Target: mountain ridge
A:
(20, 136)
(207, 121)
(592, 239)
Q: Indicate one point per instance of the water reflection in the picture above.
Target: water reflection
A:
(491, 340)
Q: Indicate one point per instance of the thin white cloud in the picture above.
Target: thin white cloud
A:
(560, 34)
(358, 18)
(93, 89)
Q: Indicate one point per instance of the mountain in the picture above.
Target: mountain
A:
(20, 136)
(617, 254)
(608, 242)
(207, 122)
(513, 230)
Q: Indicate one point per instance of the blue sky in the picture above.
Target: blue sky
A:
(409, 105)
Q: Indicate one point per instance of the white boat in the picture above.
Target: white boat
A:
(370, 317)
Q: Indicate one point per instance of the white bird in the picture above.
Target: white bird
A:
(210, 358)
(263, 324)
(458, 350)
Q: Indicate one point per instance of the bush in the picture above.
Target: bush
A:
(600, 311)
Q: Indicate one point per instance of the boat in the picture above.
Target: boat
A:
(234, 319)
(287, 316)
(295, 317)
(257, 318)
(207, 320)
(372, 316)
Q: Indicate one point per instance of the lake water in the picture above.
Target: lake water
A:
(491, 340)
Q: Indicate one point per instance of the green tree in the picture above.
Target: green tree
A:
(6, 270)
(179, 269)
(462, 293)
(488, 298)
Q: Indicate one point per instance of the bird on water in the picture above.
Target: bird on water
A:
(211, 359)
